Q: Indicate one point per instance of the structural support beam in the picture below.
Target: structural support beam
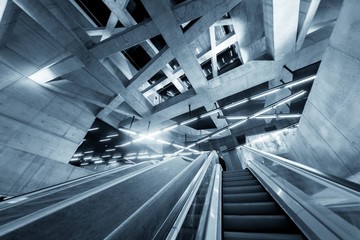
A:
(57, 30)
(126, 39)
(310, 14)
(280, 22)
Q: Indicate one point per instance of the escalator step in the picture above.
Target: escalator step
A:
(243, 189)
(240, 183)
(246, 197)
(258, 223)
(260, 236)
(238, 178)
(257, 208)
(236, 173)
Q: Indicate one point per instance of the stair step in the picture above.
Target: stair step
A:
(238, 178)
(258, 223)
(243, 189)
(240, 183)
(236, 173)
(246, 197)
(257, 208)
(260, 236)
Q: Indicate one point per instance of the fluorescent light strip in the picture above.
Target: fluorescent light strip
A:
(178, 146)
(74, 159)
(110, 150)
(112, 161)
(237, 124)
(78, 155)
(266, 116)
(123, 145)
(235, 117)
(131, 154)
(265, 94)
(93, 129)
(209, 113)
(203, 140)
(95, 158)
(83, 164)
(260, 112)
(87, 152)
(106, 156)
(100, 161)
(289, 115)
(128, 131)
(236, 103)
(116, 156)
(300, 82)
(169, 128)
(87, 158)
(289, 99)
(189, 121)
(164, 142)
(191, 145)
(113, 135)
(219, 132)
(105, 140)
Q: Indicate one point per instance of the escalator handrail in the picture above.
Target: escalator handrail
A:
(309, 172)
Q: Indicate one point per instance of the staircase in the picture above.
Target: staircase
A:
(249, 212)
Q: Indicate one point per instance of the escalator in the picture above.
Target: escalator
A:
(249, 212)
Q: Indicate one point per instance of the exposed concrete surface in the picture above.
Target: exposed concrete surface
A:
(327, 137)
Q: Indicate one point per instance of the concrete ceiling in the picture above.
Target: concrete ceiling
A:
(146, 66)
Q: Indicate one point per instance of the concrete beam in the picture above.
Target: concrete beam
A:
(126, 39)
(310, 14)
(281, 22)
(56, 29)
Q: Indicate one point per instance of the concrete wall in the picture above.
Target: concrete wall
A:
(39, 129)
(328, 137)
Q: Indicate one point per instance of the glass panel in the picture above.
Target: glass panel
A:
(191, 223)
(334, 205)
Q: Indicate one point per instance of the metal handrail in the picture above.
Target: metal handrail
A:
(309, 172)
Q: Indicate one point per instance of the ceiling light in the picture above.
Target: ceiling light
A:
(74, 159)
(265, 94)
(190, 146)
(105, 140)
(177, 145)
(289, 115)
(300, 81)
(189, 121)
(260, 112)
(110, 150)
(130, 154)
(78, 155)
(93, 129)
(219, 132)
(95, 158)
(164, 142)
(169, 128)
(128, 131)
(87, 158)
(234, 117)
(113, 135)
(203, 140)
(266, 116)
(236, 103)
(123, 145)
(99, 161)
(106, 156)
(116, 156)
(87, 152)
(209, 113)
(237, 124)
(112, 161)
(289, 99)
(83, 164)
